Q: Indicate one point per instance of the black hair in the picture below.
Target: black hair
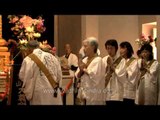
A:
(33, 44)
(112, 42)
(149, 48)
(129, 48)
(138, 52)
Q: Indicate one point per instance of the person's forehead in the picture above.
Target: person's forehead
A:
(67, 45)
(110, 46)
(86, 43)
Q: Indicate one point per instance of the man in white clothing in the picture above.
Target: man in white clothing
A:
(115, 74)
(37, 88)
(72, 60)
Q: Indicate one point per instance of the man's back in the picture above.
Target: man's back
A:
(37, 87)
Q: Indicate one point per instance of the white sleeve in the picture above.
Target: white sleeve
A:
(120, 71)
(132, 72)
(96, 70)
(26, 75)
(74, 60)
(153, 71)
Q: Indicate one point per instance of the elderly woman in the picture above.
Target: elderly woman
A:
(146, 93)
(91, 72)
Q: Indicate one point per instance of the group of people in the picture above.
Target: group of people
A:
(116, 79)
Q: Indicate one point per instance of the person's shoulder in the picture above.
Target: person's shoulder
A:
(156, 62)
(73, 54)
(105, 57)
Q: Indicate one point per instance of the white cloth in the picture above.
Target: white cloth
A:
(132, 75)
(158, 102)
(37, 87)
(72, 60)
(92, 84)
(148, 86)
(115, 88)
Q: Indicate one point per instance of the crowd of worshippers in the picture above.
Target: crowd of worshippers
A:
(119, 78)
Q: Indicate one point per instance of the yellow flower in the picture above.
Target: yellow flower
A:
(37, 35)
(30, 29)
(23, 41)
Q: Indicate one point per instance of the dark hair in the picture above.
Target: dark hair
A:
(138, 52)
(129, 48)
(33, 44)
(149, 48)
(112, 42)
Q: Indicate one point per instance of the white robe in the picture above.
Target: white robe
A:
(148, 86)
(37, 87)
(72, 60)
(132, 75)
(158, 102)
(92, 84)
(115, 88)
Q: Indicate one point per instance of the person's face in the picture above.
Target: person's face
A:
(123, 52)
(145, 54)
(67, 49)
(111, 50)
(88, 49)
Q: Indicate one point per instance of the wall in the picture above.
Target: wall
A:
(145, 19)
(158, 37)
(69, 31)
(119, 27)
(90, 26)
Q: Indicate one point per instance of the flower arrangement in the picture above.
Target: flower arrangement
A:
(144, 40)
(25, 28)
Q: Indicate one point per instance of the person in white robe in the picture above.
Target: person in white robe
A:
(91, 73)
(158, 102)
(72, 60)
(147, 86)
(132, 73)
(115, 74)
(36, 86)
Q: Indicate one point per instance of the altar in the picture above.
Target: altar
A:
(5, 75)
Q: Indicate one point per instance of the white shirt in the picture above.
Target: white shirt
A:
(72, 60)
(37, 87)
(115, 87)
(148, 86)
(132, 75)
(92, 84)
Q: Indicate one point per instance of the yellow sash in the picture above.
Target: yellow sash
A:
(109, 75)
(44, 70)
